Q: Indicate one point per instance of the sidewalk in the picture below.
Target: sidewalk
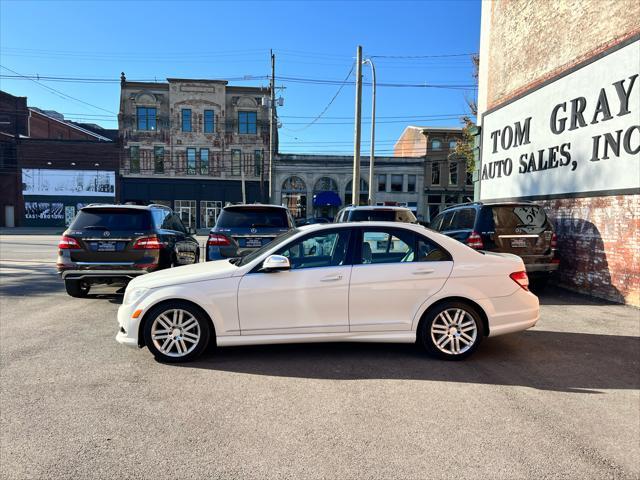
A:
(32, 230)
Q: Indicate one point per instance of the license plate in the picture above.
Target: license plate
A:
(106, 246)
(518, 243)
(253, 242)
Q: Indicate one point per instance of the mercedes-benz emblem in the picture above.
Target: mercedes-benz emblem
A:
(254, 230)
(106, 233)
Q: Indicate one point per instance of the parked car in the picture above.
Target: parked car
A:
(241, 229)
(311, 221)
(111, 244)
(419, 286)
(521, 228)
(375, 213)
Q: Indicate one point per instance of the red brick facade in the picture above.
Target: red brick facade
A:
(599, 245)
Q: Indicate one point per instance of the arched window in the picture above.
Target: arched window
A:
(436, 144)
(294, 196)
(325, 184)
(452, 144)
(364, 193)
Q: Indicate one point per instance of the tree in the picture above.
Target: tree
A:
(465, 146)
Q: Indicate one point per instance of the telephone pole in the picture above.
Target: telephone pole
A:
(372, 195)
(272, 143)
(355, 195)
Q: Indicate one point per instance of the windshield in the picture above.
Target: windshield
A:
(283, 237)
(112, 219)
(253, 218)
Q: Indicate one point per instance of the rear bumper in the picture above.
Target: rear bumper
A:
(514, 313)
(541, 267)
(84, 274)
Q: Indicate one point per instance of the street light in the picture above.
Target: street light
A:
(371, 199)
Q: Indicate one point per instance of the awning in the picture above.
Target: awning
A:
(326, 199)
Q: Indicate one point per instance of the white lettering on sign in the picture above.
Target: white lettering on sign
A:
(577, 134)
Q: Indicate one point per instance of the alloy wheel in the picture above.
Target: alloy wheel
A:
(454, 331)
(175, 332)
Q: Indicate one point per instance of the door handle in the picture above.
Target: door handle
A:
(331, 278)
(425, 271)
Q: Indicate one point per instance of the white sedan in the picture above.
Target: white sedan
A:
(370, 282)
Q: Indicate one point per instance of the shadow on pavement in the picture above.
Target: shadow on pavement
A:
(554, 295)
(564, 362)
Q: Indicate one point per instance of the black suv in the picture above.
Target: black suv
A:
(111, 244)
(521, 228)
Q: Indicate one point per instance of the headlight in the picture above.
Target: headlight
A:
(133, 295)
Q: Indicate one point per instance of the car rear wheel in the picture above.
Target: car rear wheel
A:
(451, 331)
(176, 332)
(77, 288)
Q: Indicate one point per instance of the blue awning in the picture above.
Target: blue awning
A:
(326, 199)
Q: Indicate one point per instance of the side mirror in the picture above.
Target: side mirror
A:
(275, 263)
(192, 231)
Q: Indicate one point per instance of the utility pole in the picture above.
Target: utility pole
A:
(372, 199)
(355, 195)
(272, 142)
(244, 191)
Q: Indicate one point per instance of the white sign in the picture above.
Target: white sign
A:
(575, 135)
(86, 183)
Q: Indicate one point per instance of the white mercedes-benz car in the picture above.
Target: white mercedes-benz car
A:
(354, 282)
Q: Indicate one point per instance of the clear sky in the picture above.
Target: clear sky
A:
(312, 41)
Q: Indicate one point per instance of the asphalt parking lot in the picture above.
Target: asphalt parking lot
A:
(561, 400)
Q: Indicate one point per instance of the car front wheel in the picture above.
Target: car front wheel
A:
(176, 332)
(451, 331)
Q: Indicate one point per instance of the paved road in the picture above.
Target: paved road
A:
(559, 401)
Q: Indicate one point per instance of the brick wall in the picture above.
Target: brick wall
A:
(599, 245)
(41, 126)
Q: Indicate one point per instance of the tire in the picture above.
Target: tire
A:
(446, 328)
(167, 338)
(77, 288)
(539, 284)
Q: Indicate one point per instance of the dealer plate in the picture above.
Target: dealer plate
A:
(518, 243)
(106, 246)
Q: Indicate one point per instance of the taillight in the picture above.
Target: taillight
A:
(68, 243)
(475, 241)
(521, 279)
(554, 241)
(147, 243)
(216, 240)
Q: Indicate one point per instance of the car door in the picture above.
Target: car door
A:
(311, 297)
(395, 271)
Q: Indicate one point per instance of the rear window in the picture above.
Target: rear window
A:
(372, 215)
(530, 219)
(253, 218)
(114, 219)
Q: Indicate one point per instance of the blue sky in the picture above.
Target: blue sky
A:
(311, 40)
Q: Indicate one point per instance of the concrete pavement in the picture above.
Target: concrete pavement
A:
(561, 400)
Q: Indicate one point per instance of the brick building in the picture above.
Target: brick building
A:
(446, 181)
(191, 144)
(49, 167)
(559, 114)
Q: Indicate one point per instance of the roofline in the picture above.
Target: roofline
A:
(159, 85)
(76, 127)
(197, 80)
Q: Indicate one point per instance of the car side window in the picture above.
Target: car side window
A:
(327, 249)
(437, 222)
(446, 221)
(387, 246)
(463, 219)
(176, 224)
(429, 251)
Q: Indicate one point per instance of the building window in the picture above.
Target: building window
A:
(382, 183)
(257, 162)
(294, 196)
(209, 121)
(145, 118)
(364, 193)
(436, 144)
(204, 161)
(411, 183)
(235, 162)
(186, 119)
(247, 122)
(191, 161)
(158, 160)
(435, 173)
(453, 173)
(396, 183)
(452, 144)
(134, 159)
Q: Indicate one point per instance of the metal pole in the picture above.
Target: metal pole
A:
(244, 192)
(272, 143)
(355, 190)
(372, 157)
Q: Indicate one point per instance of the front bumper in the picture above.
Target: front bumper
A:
(127, 326)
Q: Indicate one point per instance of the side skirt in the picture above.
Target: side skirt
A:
(376, 337)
